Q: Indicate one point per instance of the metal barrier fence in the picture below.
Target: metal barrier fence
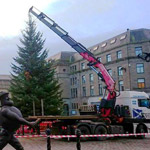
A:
(93, 135)
(78, 136)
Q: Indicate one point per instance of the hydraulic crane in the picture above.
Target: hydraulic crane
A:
(145, 56)
(106, 104)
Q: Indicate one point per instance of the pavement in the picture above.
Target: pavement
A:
(110, 144)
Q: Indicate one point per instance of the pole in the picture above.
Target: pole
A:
(33, 108)
(42, 107)
(22, 129)
(48, 132)
(78, 134)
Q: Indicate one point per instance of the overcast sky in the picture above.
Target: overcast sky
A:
(87, 21)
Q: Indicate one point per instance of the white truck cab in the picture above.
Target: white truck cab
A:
(137, 102)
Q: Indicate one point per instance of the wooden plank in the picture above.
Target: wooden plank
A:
(83, 117)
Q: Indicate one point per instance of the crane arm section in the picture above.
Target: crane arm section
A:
(94, 63)
(86, 54)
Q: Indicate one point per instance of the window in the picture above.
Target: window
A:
(110, 71)
(83, 91)
(99, 78)
(100, 89)
(108, 58)
(64, 70)
(75, 105)
(104, 44)
(99, 58)
(91, 90)
(95, 48)
(120, 71)
(91, 77)
(82, 65)
(121, 87)
(140, 68)
(83, 79)
(144, 103)
(71, 59)
(73, 68)
(123, 37)
(84, 103)
(119, 54)
(138, 50)
(74, 93)
(141, 83)
(73, 80)
(112, 41)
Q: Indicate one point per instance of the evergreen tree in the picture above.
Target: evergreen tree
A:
(33, 82)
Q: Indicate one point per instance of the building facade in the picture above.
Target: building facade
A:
(61, 62)
(5, 82)
(82, 86)
(119, 55)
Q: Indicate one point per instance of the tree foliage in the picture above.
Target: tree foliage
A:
(33, 78)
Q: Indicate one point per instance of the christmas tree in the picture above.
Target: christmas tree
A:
(34, 89)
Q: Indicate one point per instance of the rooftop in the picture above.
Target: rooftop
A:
(5, 77)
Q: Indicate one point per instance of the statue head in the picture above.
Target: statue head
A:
(5, 100)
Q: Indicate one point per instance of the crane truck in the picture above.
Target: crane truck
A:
(127, 113)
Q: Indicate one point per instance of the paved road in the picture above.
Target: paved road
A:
(111, 144)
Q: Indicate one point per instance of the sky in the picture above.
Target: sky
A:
(87, 21)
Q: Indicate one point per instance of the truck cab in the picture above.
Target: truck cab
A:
(138, 104)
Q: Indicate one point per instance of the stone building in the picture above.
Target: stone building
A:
(61, 63)
(119, 55)
(82, 86)
(5, 82)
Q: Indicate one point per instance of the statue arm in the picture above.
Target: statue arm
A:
(13, 116)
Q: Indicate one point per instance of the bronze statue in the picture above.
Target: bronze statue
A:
(10, 120)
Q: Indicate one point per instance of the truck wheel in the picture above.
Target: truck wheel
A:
(141, 129)
(101, 130)
(84, 131)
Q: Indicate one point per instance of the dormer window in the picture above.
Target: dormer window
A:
(104, 44)
(113, 41)
(123, 37)
(95, 48)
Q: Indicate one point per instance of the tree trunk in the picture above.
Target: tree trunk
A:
(33, 108)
